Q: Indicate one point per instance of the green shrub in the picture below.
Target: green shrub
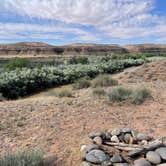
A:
(140, 95)
(17, 63)
(22, 159)
(103, 81)
(82, 83)
(119, 94)
(78, 60)
(65, 93)
(135, 96)
(99, 92)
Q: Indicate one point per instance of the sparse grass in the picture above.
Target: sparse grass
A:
(22, 159)
(140, 95)
(82, 83)
(99, 92)
(134, 96)
(64, 93)
(104, 81)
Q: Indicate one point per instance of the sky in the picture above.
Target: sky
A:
(61, 22)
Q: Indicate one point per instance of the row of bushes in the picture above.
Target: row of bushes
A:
(21, 82)
(14, 63)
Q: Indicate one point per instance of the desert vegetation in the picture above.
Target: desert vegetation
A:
(104, 81)
(134, 96)
(25, 81)
(28, 158)
(82, 83)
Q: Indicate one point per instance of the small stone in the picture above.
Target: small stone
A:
(88, 148)
(121, 164)
(116, 158)
(162, 152)
(127, 138)
(144, 142)
(83, 148)
(49, 160)
(95, 134)
(85, 164)
(142, 136)
(142, 162)
(126, 130)
(153, 157)
(115, 139)
(98, 140)
(106, 163)
(115, 132)
(96, 156)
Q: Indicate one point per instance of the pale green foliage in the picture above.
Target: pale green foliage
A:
(82, 83)
(134, 96)
(103, 81)
(99, 92)
(22, 159)
(64, 93)
(25, 81)
(140, 95)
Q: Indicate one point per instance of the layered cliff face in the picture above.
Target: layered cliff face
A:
(35, 48)
(147, 48)
(44, 49)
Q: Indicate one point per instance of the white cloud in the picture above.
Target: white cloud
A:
(124, 19)
(36, 31)
(90, 12)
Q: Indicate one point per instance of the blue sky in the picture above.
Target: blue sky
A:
(61, 22)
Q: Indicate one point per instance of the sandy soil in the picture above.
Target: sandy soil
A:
(61, 125)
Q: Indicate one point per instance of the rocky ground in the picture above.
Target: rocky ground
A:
(124, 147)
(61, 125)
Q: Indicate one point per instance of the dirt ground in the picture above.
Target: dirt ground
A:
(61, 125)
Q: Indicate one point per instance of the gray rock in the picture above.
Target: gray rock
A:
(164, 164)
(142, 162)
(95, 134)
(142, 136)
(88, 148)
(115, 132)
(96, 156)
(115, 139)
(153, 157)
(84, 163)
(116, 158)
(126, 130)
(98, 140)
(162, 152)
